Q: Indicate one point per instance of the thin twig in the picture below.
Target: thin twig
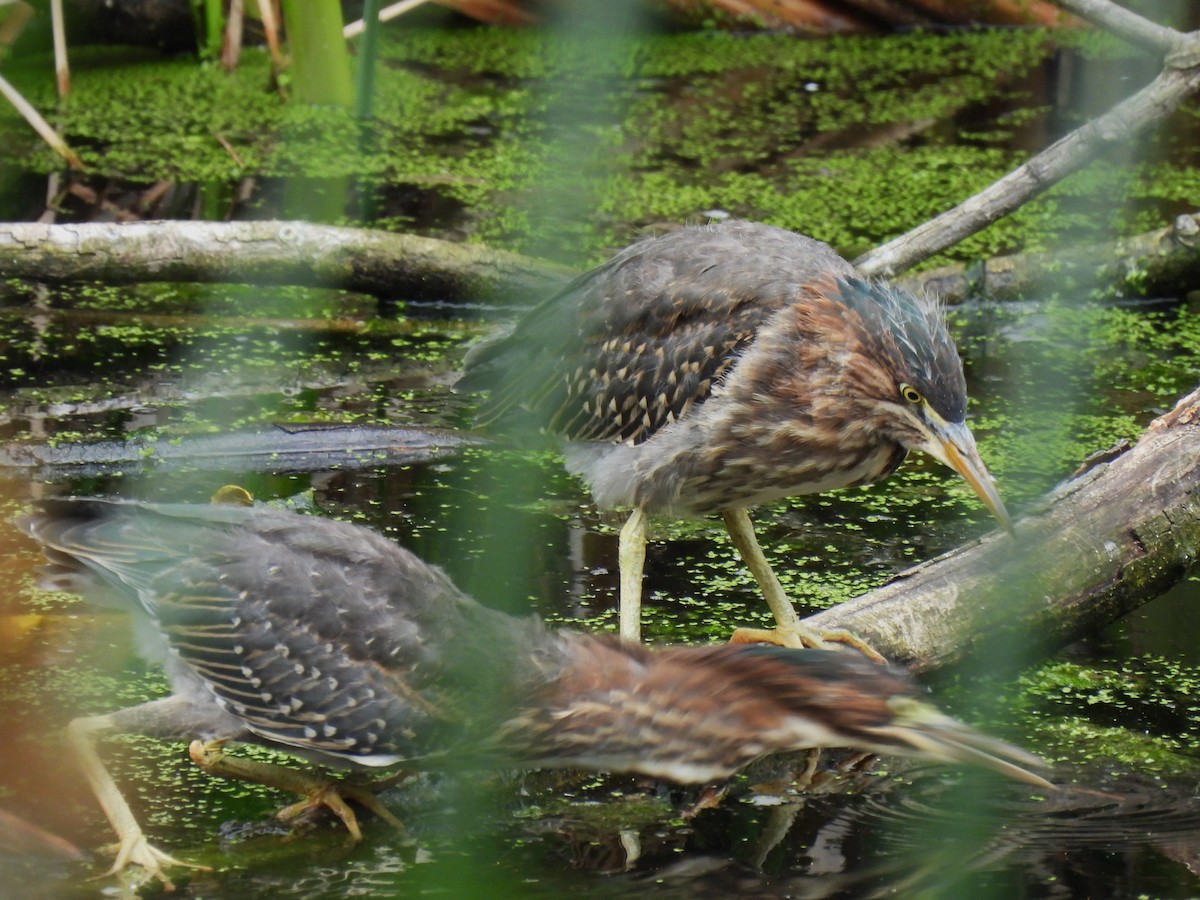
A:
(354, 29)
(233, 154)
(40, 125)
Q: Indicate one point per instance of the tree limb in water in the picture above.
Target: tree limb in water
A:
(1161, 263)
(388, 265)
(407, 267)
(1179, 79)
(1109, 540)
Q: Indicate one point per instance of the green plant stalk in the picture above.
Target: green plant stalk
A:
(210, 22)
(320, 61)
(368, 55)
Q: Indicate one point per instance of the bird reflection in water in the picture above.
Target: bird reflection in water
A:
(330, 642)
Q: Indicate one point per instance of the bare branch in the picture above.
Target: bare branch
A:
(1125, 24)
(1113, 129)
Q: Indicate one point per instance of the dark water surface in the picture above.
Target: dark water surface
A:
(514, 531)
(1052, 380)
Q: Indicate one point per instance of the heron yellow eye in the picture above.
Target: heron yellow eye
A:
(911, 394)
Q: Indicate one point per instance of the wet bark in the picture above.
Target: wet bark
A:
(1163, 262)
(399, 266)
(1107, 541)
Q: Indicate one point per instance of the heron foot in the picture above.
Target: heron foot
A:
(318, 790)
(134, 849)
(805, 638)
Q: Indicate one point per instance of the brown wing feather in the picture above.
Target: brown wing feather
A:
(639, 341)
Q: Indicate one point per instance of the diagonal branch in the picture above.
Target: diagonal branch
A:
(1178, 80)
(1125, 24)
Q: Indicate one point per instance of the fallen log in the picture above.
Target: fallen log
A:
(401, 266)
(1110, 539)
(1159, 263)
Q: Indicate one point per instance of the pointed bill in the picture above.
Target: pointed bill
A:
(924, 730)
(951, 740)
(954, 445)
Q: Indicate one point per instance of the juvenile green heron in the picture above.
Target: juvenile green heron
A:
(724, 366)
(328, 641)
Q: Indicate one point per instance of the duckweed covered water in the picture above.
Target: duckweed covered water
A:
(850, 140)
(565, 145)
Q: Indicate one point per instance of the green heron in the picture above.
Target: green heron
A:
(328, 641)
(719, 367)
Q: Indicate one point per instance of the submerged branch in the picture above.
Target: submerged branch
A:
(1109, 540)
(279, 448)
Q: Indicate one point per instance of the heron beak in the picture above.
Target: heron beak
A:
(954, 445)
(930, 733)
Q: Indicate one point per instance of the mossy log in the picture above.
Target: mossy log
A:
(1110, 539)
(387, 265)
(407, 267)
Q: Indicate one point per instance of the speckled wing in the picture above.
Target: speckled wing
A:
(640, 340)
(301, 647)
(316, 634)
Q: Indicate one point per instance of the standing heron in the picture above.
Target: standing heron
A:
(328, 641)
(719, 367)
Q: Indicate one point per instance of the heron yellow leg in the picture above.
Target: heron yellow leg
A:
(631, 557)
(132, 846)
(741, 530)
(788, 631)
